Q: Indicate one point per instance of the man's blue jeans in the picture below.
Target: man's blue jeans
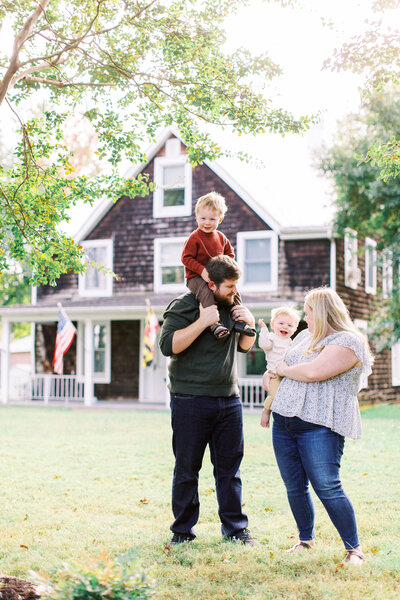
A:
(198, 421)
(305, 453)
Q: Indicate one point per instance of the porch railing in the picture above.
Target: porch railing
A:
(251, 392)
(49, 388)
(70, 388)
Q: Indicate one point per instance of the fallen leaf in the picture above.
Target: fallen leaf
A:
(167, 548)
(267, 509)
(374, 551)
(364, 474)
(271, 555)
(26, 517)
(144, 500)
(23, 546)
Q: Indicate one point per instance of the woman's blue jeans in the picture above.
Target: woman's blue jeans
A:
(306, 453)
(198, 421)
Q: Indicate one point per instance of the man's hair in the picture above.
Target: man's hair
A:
(213, 200)
(285, 310)
(222, 267)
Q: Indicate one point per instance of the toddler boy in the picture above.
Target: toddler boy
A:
(203, 244)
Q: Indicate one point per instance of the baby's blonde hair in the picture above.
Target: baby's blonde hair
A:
(329, 310)
(213, 200)
(285, 310)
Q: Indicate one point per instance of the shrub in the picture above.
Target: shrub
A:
(101, 579)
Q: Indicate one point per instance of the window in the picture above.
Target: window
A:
(395, 352)
(352, 274)
(95, 281)
(169, 273)
(387, 273)
(101, 351)
(173, 187)
(257, 255)
(370, 266)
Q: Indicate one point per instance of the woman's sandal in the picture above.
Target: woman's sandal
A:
(299, 547)
(354, 557)
(219, 331)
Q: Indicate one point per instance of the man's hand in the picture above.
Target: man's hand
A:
(241, 313)
(182, 338)
(208, 316)
(205, 276)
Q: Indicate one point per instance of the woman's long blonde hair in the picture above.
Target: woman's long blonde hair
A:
(329, 311)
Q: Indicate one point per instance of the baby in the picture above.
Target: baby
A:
(284, 322)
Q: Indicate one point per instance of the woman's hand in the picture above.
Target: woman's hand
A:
(266, 379)
(280, 369)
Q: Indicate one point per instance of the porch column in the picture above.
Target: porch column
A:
(5, 360)
(88, 358)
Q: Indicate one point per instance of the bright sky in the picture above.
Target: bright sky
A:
(289, 187)
(297, 40)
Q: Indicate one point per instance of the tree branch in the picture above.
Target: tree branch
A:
(18, 43)
(60, 84)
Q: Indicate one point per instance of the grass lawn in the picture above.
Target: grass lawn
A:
(75, 484)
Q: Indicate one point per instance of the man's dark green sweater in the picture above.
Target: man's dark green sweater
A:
(208, 366)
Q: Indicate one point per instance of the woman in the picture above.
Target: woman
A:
(314, 408)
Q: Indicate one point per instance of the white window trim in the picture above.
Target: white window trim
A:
(387, 273)
(97, 377)
(352, 274)
(370, 287)
(108, 244)
(158, 285)
(242, 236)
(159, 210)
(104, 377)
(395, 356)
(362, 325)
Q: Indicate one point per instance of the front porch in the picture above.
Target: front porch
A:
(104, 363)
(70, 389)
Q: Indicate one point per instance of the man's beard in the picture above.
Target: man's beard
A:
(224, 302)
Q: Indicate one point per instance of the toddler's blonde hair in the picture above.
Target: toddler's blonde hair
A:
(285, 310)
(213, 200)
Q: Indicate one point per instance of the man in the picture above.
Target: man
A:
(205, 403)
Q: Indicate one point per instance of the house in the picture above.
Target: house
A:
(141, 239)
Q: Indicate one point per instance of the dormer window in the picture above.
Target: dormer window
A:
(173, 185)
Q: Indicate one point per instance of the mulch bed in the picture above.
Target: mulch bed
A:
(12, 588)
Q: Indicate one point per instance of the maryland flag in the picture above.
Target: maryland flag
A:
(149, 339)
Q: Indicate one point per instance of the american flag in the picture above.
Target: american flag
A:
(65, 335)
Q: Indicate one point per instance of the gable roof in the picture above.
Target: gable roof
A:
(107, 203)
